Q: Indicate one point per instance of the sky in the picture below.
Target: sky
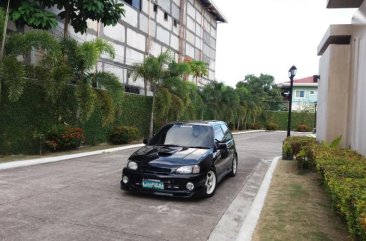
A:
(269, 36)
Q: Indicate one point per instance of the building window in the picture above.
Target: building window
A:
(313, 92)
(166, 16)
(300, 93)
(175, 23)
(134, 3)
(155, 7)
(132, 89)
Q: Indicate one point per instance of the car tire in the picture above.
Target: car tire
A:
(210, 183)
(234, 166)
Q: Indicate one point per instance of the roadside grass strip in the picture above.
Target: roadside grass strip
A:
(297, 208)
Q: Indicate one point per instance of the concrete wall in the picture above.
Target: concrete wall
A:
(357, 99)
(333, 86)
(342, 85)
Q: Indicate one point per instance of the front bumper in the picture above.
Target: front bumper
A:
(174, 184)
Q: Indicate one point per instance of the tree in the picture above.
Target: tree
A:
(74, 12)
(212, 96)
(33, 15)
(90, 85)
(62, 62)
(231, 102)
(152, 69)
(198, 69)
(77, 12)
(13, 73)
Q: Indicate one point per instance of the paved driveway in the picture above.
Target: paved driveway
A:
(80, 199)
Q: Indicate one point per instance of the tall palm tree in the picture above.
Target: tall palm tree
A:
(152, 69)
(90, 85)
(62, 62)
(198, 69)
(13, 73)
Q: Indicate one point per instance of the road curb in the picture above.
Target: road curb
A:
(31, 162)
(250, 222)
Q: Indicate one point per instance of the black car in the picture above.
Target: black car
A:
(183, 159)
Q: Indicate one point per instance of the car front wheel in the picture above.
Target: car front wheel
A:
(234, 166)
(210, 183)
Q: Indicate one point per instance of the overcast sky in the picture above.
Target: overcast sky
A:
(269, 36)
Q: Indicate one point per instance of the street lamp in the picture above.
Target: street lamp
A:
(315, 109)
(291, 75)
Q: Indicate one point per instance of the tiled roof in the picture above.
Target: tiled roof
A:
(308, 81)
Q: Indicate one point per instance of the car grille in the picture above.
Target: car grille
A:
(156, 170)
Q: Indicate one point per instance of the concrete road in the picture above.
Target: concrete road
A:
(80, 199)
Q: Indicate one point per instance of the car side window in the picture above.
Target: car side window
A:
(227, 133)
(218, 133)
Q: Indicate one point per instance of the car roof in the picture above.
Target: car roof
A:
(209, 122)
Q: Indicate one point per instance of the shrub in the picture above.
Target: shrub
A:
(343, 172)
(272, 126)
(64, 137)
(302, 148)
(254, 126)
(287, 151)
(344, 176)
(303, 128)
(124, 135)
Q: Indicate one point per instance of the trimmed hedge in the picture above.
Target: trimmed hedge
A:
(281, 117)
(344, 176)
(23, 122)
(136, 112)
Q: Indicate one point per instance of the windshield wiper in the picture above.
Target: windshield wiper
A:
(170, 145)
(199, 147)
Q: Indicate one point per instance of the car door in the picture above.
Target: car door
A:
(222, 154)
(230, 144)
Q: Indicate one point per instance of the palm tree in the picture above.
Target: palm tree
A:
(212, 95)
(152, 69)
(61, 63)
(198, 69)
(230, 102)
(14, 73)
(90, 85)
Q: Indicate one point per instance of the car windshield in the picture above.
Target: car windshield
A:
(186, 135)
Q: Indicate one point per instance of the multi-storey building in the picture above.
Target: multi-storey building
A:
(188, 28)
(342, 84)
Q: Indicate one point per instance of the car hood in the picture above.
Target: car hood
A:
(169, 157)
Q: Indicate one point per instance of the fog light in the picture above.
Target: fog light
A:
(125, 179)
(190, 186)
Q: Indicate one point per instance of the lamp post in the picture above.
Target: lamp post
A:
(315, 109)
(291, 75)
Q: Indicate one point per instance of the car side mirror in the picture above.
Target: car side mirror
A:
(221, 146)
(145, 141)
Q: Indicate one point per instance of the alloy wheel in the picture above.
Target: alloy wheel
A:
(210, 183)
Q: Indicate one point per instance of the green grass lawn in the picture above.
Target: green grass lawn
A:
(298, 209)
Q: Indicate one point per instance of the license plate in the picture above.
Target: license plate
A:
(153, 184)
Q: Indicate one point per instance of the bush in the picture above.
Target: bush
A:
(302, 148)
(124, 135)
(272, 126)
(344, 175)
(303, 128)
(64, 137)
(254, 126)
(343, 172)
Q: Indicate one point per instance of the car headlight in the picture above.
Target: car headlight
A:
(188, 169)
(132, 165)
